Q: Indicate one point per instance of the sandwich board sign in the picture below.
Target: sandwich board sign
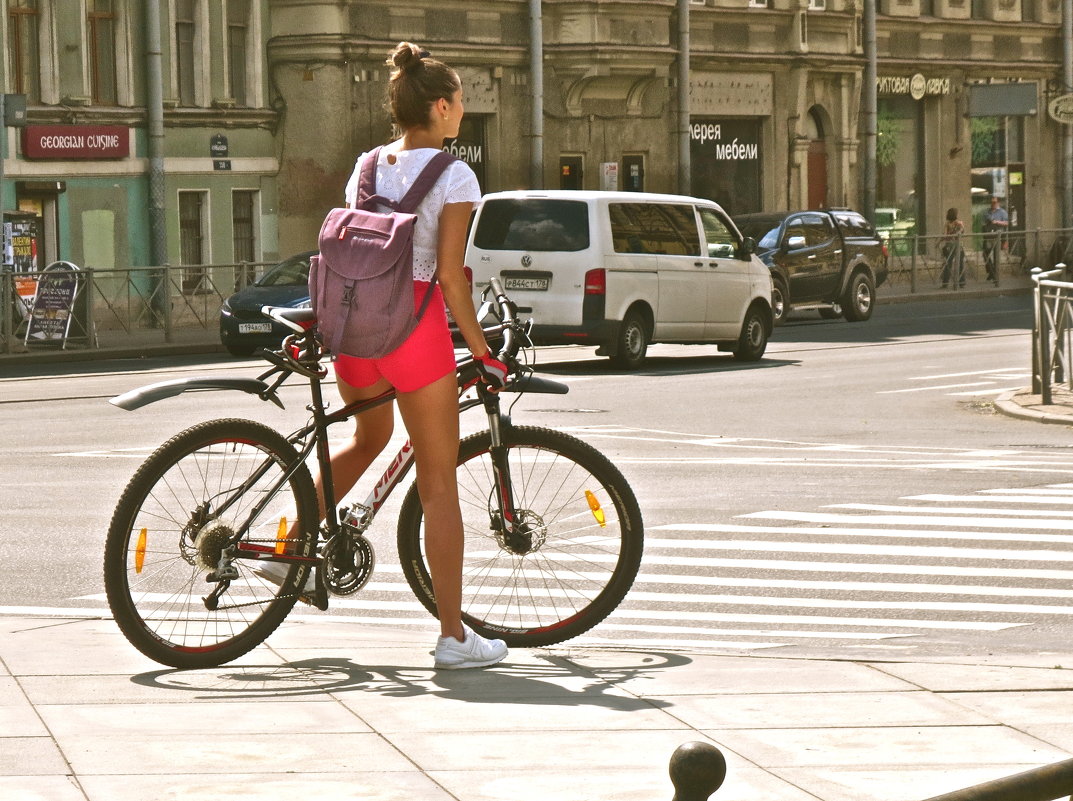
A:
(53, 305)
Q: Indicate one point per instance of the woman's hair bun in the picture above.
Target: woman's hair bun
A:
(408, 56)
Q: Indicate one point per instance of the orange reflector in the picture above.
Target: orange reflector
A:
(139, 552)
(597, 512)
(281, 536)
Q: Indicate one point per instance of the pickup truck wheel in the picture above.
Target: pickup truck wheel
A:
(753, 340)
(632, 342)
(860, 298)
(780, 302)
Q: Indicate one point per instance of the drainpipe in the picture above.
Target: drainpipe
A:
(154, 107)
(869, 104)
(685, 167)
(536, 78)
(1067, 130)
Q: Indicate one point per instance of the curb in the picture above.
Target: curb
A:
(1008, 405)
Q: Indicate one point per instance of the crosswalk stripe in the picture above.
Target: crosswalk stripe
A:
(1024, 497)
(959, 510)
(826, 531)
(884, 520)
(856, 548)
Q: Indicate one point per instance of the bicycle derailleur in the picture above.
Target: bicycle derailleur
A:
(347, 559)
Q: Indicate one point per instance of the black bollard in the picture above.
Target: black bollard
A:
(697, 770)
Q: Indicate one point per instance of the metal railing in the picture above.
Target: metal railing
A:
(918, 261)
(134, 306)
(698, 769)
(1052, 329)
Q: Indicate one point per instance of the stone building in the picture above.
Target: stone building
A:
(775, 93)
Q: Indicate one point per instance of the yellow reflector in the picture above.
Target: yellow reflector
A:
(139, 552)
(597, 512)
(281, 536)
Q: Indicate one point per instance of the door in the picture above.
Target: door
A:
(663, 238)
(571, 175)
(807, 252)
(729, 278)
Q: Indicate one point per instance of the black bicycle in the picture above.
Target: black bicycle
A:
(553, 532)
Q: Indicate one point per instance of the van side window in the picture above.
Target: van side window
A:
(722, 243)
(533, 224)
(665, 228)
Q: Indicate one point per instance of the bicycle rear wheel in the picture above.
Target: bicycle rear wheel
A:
(584, 527)
(181, 508)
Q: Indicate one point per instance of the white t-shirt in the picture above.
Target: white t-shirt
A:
(458, 184)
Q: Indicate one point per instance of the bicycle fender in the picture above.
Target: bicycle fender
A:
(143, 396)
(533, 383)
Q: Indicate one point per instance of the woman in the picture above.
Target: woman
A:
(951, 249)
(426, 103)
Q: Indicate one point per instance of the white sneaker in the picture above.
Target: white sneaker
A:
(276, 573)
(474, 652)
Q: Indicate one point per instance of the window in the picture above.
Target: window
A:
(23, 49)
(817, 5)
(185, 52)
(663, 228)
(192, 207)
(101, 29)
(532, 224)
(722, 243)
(238, 26)
(243, 202)
(758, 3)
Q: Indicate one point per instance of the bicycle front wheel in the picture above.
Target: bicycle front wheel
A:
(187, 502)
(583, 539)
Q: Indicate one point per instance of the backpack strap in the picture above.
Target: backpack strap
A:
(367, 177)
(425, 181)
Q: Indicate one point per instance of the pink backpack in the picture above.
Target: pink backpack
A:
(362, 283)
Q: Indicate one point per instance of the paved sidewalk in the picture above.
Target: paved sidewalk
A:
(337, 709)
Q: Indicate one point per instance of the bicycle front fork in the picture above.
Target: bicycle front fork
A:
(507, 520)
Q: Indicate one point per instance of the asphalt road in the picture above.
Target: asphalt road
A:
(853, 493)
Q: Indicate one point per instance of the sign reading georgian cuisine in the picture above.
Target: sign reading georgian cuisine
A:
(75, 141)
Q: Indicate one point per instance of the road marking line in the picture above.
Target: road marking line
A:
(827, 531)
(886, 520)
(1030, 499)
(960, 510)
(929, 389)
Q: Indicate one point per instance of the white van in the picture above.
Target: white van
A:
(621, 270)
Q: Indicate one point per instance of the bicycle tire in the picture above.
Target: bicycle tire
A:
(164, 533)
(579, 570)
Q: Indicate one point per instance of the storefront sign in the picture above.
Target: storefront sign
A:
(609, 176)
(916, 86)
(1009, 99)
(75, 142)
(1061, 109)
(733, 150)
(726, 159)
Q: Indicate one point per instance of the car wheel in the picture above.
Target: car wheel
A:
(632, 342)
(753, 340)
(780, 302)
(860, 298)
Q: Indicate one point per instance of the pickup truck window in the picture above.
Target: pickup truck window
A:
(819, 230)
(796, 235)
(664, 228)
(722, 244)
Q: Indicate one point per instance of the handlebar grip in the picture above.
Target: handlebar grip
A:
(497, 287)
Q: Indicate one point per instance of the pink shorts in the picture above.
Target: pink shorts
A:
(426, 356)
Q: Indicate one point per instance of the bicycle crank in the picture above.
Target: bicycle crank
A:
(347, 563)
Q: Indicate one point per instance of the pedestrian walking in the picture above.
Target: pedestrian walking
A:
(996, 221)
(951, 249)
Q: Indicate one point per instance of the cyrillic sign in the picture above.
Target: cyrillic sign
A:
(75, 142)
(1061, 109)
(916, 86)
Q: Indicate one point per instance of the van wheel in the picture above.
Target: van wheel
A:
(860, 298)
(632, 342)
(780, 302)
(753, 340)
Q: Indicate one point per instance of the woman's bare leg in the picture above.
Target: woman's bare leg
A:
(431, 418)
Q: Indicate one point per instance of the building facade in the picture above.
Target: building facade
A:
(775, 90)
(79, 171)
(267, 103)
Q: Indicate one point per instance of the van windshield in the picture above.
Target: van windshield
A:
(536, 224)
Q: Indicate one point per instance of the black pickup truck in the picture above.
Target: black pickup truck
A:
(829, 260)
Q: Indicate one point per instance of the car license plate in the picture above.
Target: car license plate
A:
(255, 328)
(536, 284)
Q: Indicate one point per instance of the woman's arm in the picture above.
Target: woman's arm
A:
(450, 258)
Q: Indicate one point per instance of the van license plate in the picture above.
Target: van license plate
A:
(255, 328)
(537, 284)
